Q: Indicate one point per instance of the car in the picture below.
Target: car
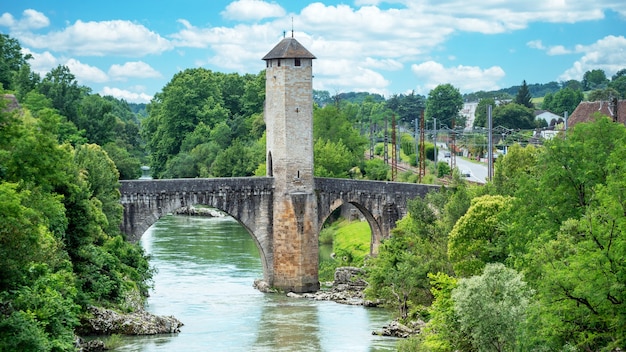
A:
(466, 173)
(446, 154)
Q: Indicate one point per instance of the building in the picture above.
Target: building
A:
(587, 110)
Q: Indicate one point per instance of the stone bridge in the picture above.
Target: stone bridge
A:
(250, 201)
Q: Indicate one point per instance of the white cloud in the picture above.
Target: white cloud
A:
(135, 69)
(86, 73)
(466, 78)
(41, 63)
(551, 50)
(131, 97)
(346, 75)
(558, 50)
(608, 54)
(536, 44)
(123, 38)
(252, 10)
(31, 19)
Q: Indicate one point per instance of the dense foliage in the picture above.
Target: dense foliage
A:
(534, 262)
(61, 249)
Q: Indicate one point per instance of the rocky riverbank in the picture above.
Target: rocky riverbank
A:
(193, 211)
(347, 288)
(109, 322)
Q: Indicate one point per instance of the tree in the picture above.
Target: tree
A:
(594, 79)
(332, 159)
(399, 273)
(572, 234)
(61, 87)
(480, 118)
(444, 103)
(514, 168)
(407, 107)
(96, 118)
(477, 238)
(523, 96)
(566, 99)
(605, 94)
(491, 308)
(11, 61)
(376, 169)
(513, 116)
(102, 177)
(619, 84)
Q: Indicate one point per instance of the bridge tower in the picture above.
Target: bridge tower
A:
(289, 151)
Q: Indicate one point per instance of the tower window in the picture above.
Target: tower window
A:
(297, 62)
(278, 62)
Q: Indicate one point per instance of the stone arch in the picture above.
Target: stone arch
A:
(375, 228)
(249, 201)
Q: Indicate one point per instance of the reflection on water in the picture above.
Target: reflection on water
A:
(206, 267)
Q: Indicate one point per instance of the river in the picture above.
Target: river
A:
(206, 268)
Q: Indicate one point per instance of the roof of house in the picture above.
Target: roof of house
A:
(289, 48)
(586, 111)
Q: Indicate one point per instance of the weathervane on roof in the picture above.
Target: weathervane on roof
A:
(292, 26)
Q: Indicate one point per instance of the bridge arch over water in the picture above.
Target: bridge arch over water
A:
(250, 201)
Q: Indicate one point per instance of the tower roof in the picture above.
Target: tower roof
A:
(289, 48)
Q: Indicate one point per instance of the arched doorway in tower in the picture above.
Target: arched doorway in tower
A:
(270, 167)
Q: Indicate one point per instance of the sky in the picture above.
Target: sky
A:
(132, 49)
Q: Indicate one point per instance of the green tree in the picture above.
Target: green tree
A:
(11, 61)
(408, 107)
(514, 169)
(332, 159)
(571, 236)
(399, 273)
(96, 118)
(444, 103)
(236, 160)
(605, 94)
(102, 177)
(480, 119)
(594, 79)
(566, 99)
(513, 116)
(618, 83)
(477, 238)
(61, 87)
(332, 124)
(491, 308)
(523, 96)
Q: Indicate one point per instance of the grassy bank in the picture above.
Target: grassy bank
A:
(351, 245)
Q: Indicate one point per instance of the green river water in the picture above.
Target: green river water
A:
(206, 268)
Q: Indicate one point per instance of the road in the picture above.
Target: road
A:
(477, 171)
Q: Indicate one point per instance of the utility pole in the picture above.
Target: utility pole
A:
(435, 139)
(394, 155)
(385, 147)
(489, 144)
(453, 146)
(372, 130)
(422, 154)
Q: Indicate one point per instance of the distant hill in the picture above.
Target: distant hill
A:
(536, 90)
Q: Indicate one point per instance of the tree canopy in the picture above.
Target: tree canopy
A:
(444, 103)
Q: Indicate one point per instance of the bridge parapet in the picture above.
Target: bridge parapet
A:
(145, 201)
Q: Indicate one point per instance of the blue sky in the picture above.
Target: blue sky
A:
(131, 49)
